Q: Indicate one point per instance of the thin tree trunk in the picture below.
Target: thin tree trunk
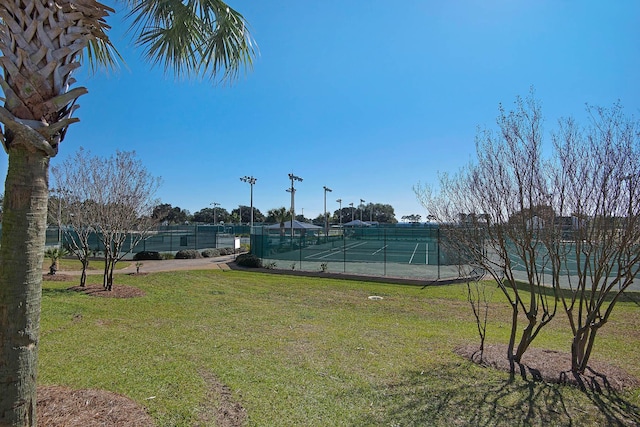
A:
(581, 348)
(105, 274)
(112, 265)
(525, 339)
(21, 258)
(512, 339)
(589, 348)
(83, 275)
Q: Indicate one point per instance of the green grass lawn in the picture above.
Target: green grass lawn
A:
(299, 351)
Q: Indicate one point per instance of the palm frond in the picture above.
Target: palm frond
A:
(193, 37)
(101, 54)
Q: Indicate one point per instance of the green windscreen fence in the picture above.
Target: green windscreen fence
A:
(408, 252)
(164, 238)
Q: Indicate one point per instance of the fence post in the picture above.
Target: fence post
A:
(344, 252)
(438, 255)
(385, 251)
(300, 248)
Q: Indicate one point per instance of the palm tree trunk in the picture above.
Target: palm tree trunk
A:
(21, 258)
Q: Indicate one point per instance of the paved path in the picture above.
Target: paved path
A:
(217, 263)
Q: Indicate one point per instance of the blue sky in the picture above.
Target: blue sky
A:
(368, 98)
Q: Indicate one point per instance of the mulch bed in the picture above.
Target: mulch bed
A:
(553, 367)
(64, 407)
(118, 291)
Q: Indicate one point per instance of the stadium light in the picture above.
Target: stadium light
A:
(214, 204)
(361, 208)
(251, 180)
(292, 190)
(340, 202)
(326, 215)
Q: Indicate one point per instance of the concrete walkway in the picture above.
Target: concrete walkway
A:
(148, 266)
(217, 263)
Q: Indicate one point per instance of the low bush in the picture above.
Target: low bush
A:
(147, 256)
(226, 251)
(210, 253)
(249, 260)
(167, 255)
(188, 254)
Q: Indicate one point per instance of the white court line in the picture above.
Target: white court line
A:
(317, 254)
(379, 249)
(414, 252)
(331, 251)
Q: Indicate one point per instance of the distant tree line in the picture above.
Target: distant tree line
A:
(167, 214)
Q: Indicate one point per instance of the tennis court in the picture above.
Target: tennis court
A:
(395, 252)
(569, 273)
(412, 253)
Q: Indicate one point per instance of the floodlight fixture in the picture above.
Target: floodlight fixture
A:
(251, 180)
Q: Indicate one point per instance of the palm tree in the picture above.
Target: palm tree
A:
(279, 215)
(42, 42)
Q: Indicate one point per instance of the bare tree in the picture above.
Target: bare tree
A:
(124, 193)
(74, 187)
(597, 184)
(110, 198)
(491, 214)
(559, 230)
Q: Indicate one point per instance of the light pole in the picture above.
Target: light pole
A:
(361, 208)
(214, 204)
(326, 215)
(352, 218)
(340, 202)
(251, 180)
(292, 190)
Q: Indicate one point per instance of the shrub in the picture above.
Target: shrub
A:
(167, 255)
(147, 255)
(188, 254)
(226, 251)
(249, 260)
(210, 253)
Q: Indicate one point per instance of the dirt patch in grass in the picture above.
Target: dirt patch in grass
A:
(219, 405)
(61, 406)
(552, 366)
(118, 291)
